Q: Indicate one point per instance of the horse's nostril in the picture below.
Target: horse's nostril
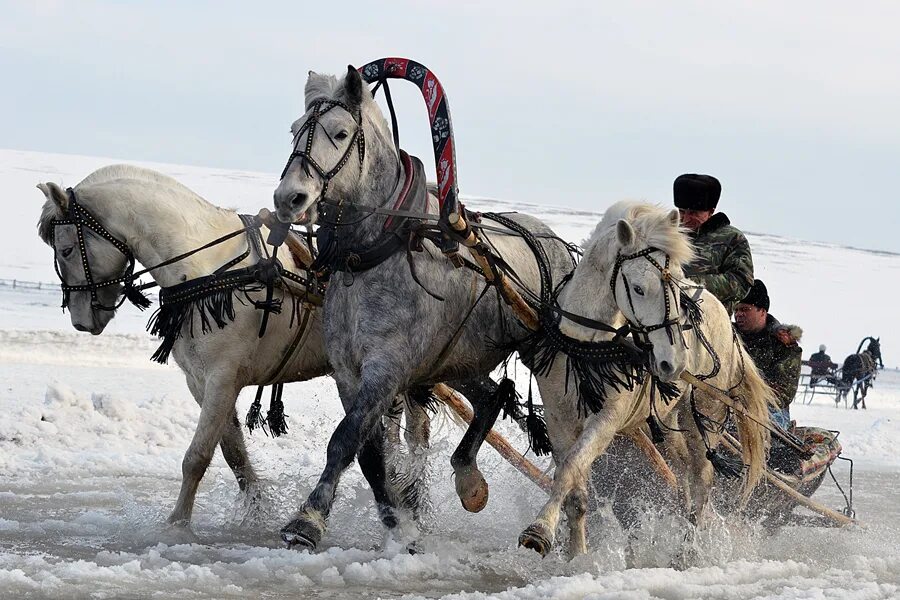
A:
(665, 366)
(81, 327)
(298, 199)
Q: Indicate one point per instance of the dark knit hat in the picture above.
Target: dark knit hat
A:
(697, 192)
(758, 295)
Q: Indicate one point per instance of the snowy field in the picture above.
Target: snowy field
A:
(92, 435)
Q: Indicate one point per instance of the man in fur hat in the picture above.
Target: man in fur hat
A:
(773, 347)
(723, 265)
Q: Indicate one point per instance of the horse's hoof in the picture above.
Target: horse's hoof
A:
(301, 534)
(537, 538)
(472, 489)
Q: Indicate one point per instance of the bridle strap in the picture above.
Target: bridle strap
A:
(669, 286)
(358, 141)
(81, 218)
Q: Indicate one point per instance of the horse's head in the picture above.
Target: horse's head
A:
(85, 262)
(874, 347)
(336, 145)
(650, 250)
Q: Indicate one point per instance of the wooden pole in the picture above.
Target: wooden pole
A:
(512, 297)
(658, 463)
(497, 441)
(735, 446)
(730, 402)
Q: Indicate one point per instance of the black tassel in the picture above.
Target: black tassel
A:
(656, 432)
(136, 297)
(726, 465)
(595, 367)
(691, 308)
(276, 417)
(667, 389)
(507, 397)
(254, 418)
(424, 397)
(536, 426)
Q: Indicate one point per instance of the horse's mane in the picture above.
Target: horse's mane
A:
(132, 172)
(651, 225)
(109, 174)
(321, 87)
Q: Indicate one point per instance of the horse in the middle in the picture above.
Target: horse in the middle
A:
(413, 318)
(632, 270)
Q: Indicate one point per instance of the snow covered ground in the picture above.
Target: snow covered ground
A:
(92, 434)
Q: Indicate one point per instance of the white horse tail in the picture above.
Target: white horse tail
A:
(756, 396)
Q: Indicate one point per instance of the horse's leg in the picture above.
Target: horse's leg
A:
(698, 477)
(379, 385)
(572, 475)
(411, 482)
(855, 397)
(373, 465)
(216, 408)
(471, 486)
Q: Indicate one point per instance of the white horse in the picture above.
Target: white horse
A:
(158, 218)
(632, 270)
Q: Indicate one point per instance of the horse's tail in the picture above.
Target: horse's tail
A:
(756, 396)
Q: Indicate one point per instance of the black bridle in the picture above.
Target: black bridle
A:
(671, 324)
(357, 140)
(81, 219)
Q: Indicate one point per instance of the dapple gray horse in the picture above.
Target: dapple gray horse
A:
(384, 330)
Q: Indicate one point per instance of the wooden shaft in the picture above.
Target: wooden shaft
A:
(729, 402)
(458, 223)
(658, 463)
(497, 441)
(511, 296)
(735, 446)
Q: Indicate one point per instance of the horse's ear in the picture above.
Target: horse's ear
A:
(624, 232)
(674, 217)
(56, 194)
(353, 84)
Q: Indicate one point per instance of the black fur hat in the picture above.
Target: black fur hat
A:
(758, 295)
(696, 192)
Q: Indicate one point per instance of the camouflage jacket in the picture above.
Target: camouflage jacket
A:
(778, 363)
(723, 265)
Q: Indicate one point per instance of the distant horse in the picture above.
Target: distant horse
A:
(395, 319)
(123, 213)
(859, 372)
(632, 271)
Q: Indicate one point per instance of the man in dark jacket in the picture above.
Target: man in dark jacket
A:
(723, 265)
(821, 367)
(773, 347)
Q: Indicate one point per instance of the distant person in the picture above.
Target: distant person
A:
(723, 265)
(821, 367)
(774, 348)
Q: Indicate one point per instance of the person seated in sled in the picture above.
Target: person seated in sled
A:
(773, 347)
(723, 264)
(821, 367)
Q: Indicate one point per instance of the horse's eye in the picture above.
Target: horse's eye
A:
(66, 252)
(638, 290)
(342, 135)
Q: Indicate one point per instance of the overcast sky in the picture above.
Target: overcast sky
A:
(794, 106)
